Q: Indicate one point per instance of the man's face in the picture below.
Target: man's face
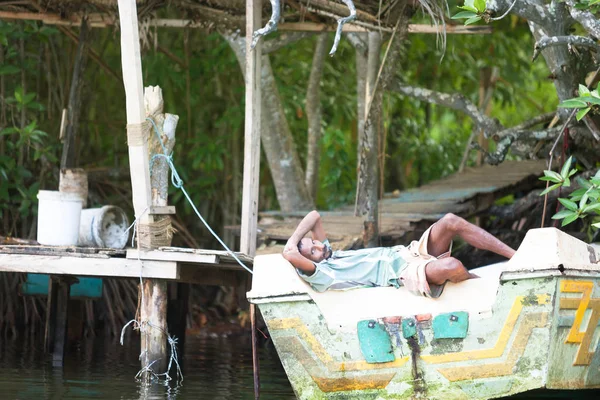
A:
(314, 250)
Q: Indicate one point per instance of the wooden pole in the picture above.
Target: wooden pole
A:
(252, 157)
(251, 132)
(134, 91)
(153, 311)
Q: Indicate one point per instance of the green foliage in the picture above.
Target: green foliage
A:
(25, 149)
(583, 202)
(585, 102)
(473, 11)
(338, 161)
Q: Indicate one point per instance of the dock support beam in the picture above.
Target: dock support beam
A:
(55, 336)
(154, 305)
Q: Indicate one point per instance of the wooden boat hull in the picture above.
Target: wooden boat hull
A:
(541, 331)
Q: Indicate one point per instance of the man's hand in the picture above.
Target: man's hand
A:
(290, 248)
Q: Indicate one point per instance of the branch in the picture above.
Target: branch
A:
(455, 101)
(589, 22)
(341, 22)
(506, 13)
(546, 41)
(534, 121)
(523, 8)
(509, 136)
(357, 42)
(272, 45)
(271, 25)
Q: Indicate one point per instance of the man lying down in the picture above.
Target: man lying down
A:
(423, 267)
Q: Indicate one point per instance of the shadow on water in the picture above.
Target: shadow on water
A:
(100, 368)
(213, 367)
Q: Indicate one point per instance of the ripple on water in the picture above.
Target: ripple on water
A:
(100, 368)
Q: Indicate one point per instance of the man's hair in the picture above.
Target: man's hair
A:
(300, 246)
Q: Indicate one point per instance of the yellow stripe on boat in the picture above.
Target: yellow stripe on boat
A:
(501, 342)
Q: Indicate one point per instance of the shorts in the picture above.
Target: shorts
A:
(413, 275)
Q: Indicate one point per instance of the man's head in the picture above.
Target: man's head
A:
(314, 250)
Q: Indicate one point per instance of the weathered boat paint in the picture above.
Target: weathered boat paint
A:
(541, 331)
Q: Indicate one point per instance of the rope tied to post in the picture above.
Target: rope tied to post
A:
(138, 134)
(178, 183)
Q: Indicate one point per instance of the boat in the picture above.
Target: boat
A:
(525, 324)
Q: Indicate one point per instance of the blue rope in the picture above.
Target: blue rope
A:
(178, 183)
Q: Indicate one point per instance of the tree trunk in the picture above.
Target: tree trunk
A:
(368, 189)
(276, 138)
(68, 155)
(361, 87)
(567, 70)
(313, 113)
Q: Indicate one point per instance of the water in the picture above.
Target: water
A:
(213, 368)
(218, 368)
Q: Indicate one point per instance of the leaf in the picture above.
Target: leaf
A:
(8, 131)
(562, 214)
(573, 103)
(569, 219)
(567, 182)
(577, 194)
(550, 188)
(548, 178)
(571, 205)
(472, 20)
(583, 200)
(479, 5)
(596, 225)
(583, 90)
(583, 183)
(465, 14)
(28, 98)
(565, 168)
(572, 172)
(592, 207)
(9, 70)
(468, 8)
(581, 113)
(593, 100)
(555, 175)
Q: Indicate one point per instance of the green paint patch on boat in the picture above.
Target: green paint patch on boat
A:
(375, 342)
(452, 325)
(409, 327)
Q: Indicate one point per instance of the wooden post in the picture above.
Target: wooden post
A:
(154, 305)
(251, 132)
(252, 156)
(55, 337)
(60, 331)
(132, 79)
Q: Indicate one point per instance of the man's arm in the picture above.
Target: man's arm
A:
(310, 223)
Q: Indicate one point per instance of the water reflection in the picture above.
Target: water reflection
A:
(100, 368)
(218, 368)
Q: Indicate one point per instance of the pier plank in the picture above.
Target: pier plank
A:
(113, 267)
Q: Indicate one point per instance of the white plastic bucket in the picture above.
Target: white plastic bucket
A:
(58, 218)
(103, 227)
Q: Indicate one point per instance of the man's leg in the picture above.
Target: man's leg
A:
(447, 269)
(450, 226)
